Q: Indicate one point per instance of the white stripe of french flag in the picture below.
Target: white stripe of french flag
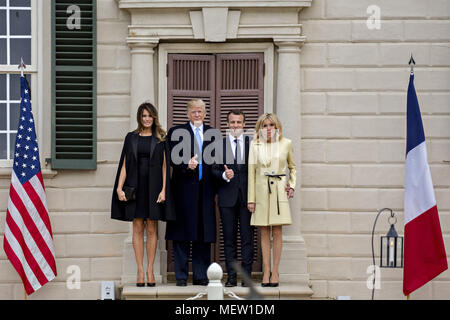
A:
(425, 256)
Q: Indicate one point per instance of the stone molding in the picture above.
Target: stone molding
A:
(214, 21)
(142, 4)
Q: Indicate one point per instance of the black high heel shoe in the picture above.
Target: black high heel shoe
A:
(140, 284)
(274, 284)
(266, 284)
(151, 284)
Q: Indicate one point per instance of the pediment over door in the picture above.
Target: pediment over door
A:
(215, 21)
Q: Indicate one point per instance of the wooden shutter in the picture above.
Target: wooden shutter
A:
(240, 85)
(190, 76)
(74, 73)
(224, 82)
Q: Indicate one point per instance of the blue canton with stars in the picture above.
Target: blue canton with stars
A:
(26, 151)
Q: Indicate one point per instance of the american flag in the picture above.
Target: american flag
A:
(28, 240)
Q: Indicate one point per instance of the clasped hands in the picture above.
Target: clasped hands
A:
(289, 192)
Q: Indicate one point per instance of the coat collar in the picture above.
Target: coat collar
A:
(134, 144)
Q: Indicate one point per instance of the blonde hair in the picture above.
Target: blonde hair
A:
(259, 124)
(196, 102)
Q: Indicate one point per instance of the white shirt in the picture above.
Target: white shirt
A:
(240, 140)
(194, 128)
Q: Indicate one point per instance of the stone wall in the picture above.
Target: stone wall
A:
(354, 83)
(353, 129)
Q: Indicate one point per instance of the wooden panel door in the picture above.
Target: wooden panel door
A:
(224, 82)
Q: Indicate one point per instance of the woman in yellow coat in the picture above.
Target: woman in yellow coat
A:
(269, 189)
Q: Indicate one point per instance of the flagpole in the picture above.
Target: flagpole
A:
(21, 67)
(24, 294)
(407, 297)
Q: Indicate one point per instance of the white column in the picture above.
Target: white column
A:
(142, 74)
(142, 89)
(293, 266)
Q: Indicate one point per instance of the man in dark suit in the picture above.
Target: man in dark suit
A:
(193, 194)
(232, 177)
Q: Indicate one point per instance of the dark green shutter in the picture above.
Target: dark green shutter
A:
(74, 87)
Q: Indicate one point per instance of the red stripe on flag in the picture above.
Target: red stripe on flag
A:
(34, 197)
(29, 223)
(425, 256)
(39, 175)
(17, 265)
(26, 252)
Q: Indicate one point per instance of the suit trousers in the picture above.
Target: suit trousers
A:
(230, 217)
(201, 259)
(201, 251)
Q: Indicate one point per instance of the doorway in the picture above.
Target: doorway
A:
(224, 82)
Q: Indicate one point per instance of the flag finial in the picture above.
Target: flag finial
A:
(21, 66)
(412, 63)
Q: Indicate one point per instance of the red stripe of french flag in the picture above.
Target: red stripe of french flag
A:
(425, 256)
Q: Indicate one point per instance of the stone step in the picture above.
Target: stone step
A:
(170, 291)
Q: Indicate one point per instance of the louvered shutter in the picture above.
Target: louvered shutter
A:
(190, 76)
(74, 73)
(224, 82)
(240, 85)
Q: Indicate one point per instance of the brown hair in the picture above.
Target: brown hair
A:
(273, 118)
(236, 112)
(157, 130)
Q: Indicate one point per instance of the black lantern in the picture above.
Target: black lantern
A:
(391, 245)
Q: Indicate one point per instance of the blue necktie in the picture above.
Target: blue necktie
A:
(200, 144)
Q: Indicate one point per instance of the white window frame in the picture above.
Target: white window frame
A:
(32, 69)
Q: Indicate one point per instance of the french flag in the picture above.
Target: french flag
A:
(425, 256)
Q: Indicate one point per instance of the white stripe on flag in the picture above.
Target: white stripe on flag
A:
(36, 184)
(419, 194)
(30, 243)
(19, 254)
(32, 211)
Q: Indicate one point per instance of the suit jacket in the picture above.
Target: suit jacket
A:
(187, 195)
(124, 210)
(229, 191)
(268, 193)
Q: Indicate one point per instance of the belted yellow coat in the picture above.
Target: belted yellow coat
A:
(268, 192)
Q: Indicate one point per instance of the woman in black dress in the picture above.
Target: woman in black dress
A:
(142, 187)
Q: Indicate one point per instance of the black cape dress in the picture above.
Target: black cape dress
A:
(128, 210)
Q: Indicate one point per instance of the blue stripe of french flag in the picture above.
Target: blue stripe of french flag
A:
(425, 256)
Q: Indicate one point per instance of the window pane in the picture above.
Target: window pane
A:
(2, 116)
(2, 22)
(2, 86)
(3, 151)
(19, 3)
(14, 113)
(2, 3)
(14, 86)
(12, 143)
(2, 51)
(20, 22)
(20, 48)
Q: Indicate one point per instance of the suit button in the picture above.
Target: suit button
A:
(271, 182)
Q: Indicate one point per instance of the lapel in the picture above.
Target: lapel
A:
(227, 151)
(134, 144)
(247, 147)
(189, 129)
(153, 145)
